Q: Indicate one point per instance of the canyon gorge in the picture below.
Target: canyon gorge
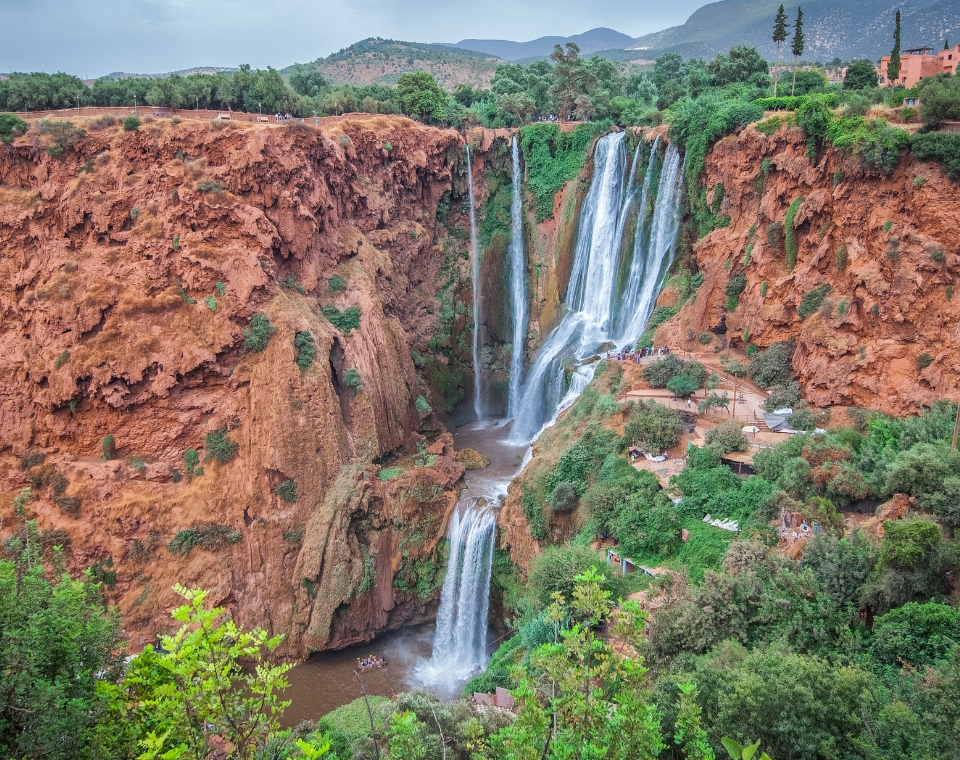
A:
(234, 355)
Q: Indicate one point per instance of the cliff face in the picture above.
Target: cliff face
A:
(133, 263)
(881, 253)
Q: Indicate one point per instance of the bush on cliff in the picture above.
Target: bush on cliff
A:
(939, 146)
(257, 336)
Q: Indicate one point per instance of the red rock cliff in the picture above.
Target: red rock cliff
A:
(133, 264)
(887, 335)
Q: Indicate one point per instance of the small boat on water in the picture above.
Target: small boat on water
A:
(371, 663)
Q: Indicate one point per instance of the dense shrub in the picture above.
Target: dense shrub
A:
(790, 234)
(210, 537)
(726, 437)
(210, 187)
(795, 102)
(345, 321)
(306, 349)
(736, 284)
(555, 569)
(218, 446)
(257, 336)
(939, 146)
(773, 366)
(11, 126)
(336, 284)
(916, 635)
(877, 143)
(287, 490)
(653, 427)
(108, 448)
(131, 124)
(813, 300)
(352, 379)
(564, 497)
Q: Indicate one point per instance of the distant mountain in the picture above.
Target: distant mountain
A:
(379, 61)
(182, 73)
(846, 29)
(590, 42)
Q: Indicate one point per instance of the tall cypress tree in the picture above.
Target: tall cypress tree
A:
(779, 35)
(893, 68)
(797, 46)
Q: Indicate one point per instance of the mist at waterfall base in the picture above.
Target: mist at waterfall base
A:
(601, 314)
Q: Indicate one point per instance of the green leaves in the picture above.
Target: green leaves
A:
(738, 752)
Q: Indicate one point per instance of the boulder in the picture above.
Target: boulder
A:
(471, 459)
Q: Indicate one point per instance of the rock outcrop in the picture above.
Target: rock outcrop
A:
(133, 264)
(877, 260)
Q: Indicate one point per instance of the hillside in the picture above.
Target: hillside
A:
(846, 29)
(589, 42)
(379, 61)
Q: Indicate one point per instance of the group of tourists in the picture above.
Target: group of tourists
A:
(628, 354)
(370, 662)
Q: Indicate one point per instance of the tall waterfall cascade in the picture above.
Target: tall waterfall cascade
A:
(598, 314)
(518, 290)
(475, 282)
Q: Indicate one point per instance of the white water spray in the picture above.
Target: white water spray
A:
(518, 290)
(475, 275)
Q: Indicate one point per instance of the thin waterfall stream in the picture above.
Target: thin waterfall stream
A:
(475, 282)
(518, 290)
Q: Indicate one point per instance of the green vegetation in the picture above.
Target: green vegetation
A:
(336, 284)
(790, 235)
(257, 336)
(423, 408)
(420, 96)
(11, 126)
(736, 284)
(943, 147)
(660, 315)
(552, 158)
(191, 458)
(108, 448)
(352, 379)
(388, 473)
(306, 349)
(287, 490)
(131, 124)
(813, 300)
(209, 186)
(218, 446)
(773, 366)
(653, 427)
(208, 537)
(345, 321)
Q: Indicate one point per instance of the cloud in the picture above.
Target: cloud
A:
(91, 38)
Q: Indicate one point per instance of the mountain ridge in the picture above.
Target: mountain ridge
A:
(591, 41)
(846, 29)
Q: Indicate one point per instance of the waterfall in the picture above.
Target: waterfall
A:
(518, 291)
(459, 645)
(475, 277)
(659, 249)
(595, 316)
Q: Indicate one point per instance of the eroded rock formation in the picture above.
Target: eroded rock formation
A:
(133, 263)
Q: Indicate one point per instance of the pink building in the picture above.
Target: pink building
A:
(919, 63)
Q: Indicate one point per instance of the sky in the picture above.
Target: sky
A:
(92, 38)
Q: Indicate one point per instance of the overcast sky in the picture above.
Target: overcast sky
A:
(92, 38)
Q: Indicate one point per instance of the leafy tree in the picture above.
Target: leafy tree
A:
(939, 99)
(653, 427)
(779, 36)
(797, 45)
(683, 385)
(580, 699)
(59, 649)
(726, 437)
(861, 75)
(201, 691)
(739, 65)
(571, 79)
(308, 80)
(420, 96)
(893, 67)
(555, 569)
